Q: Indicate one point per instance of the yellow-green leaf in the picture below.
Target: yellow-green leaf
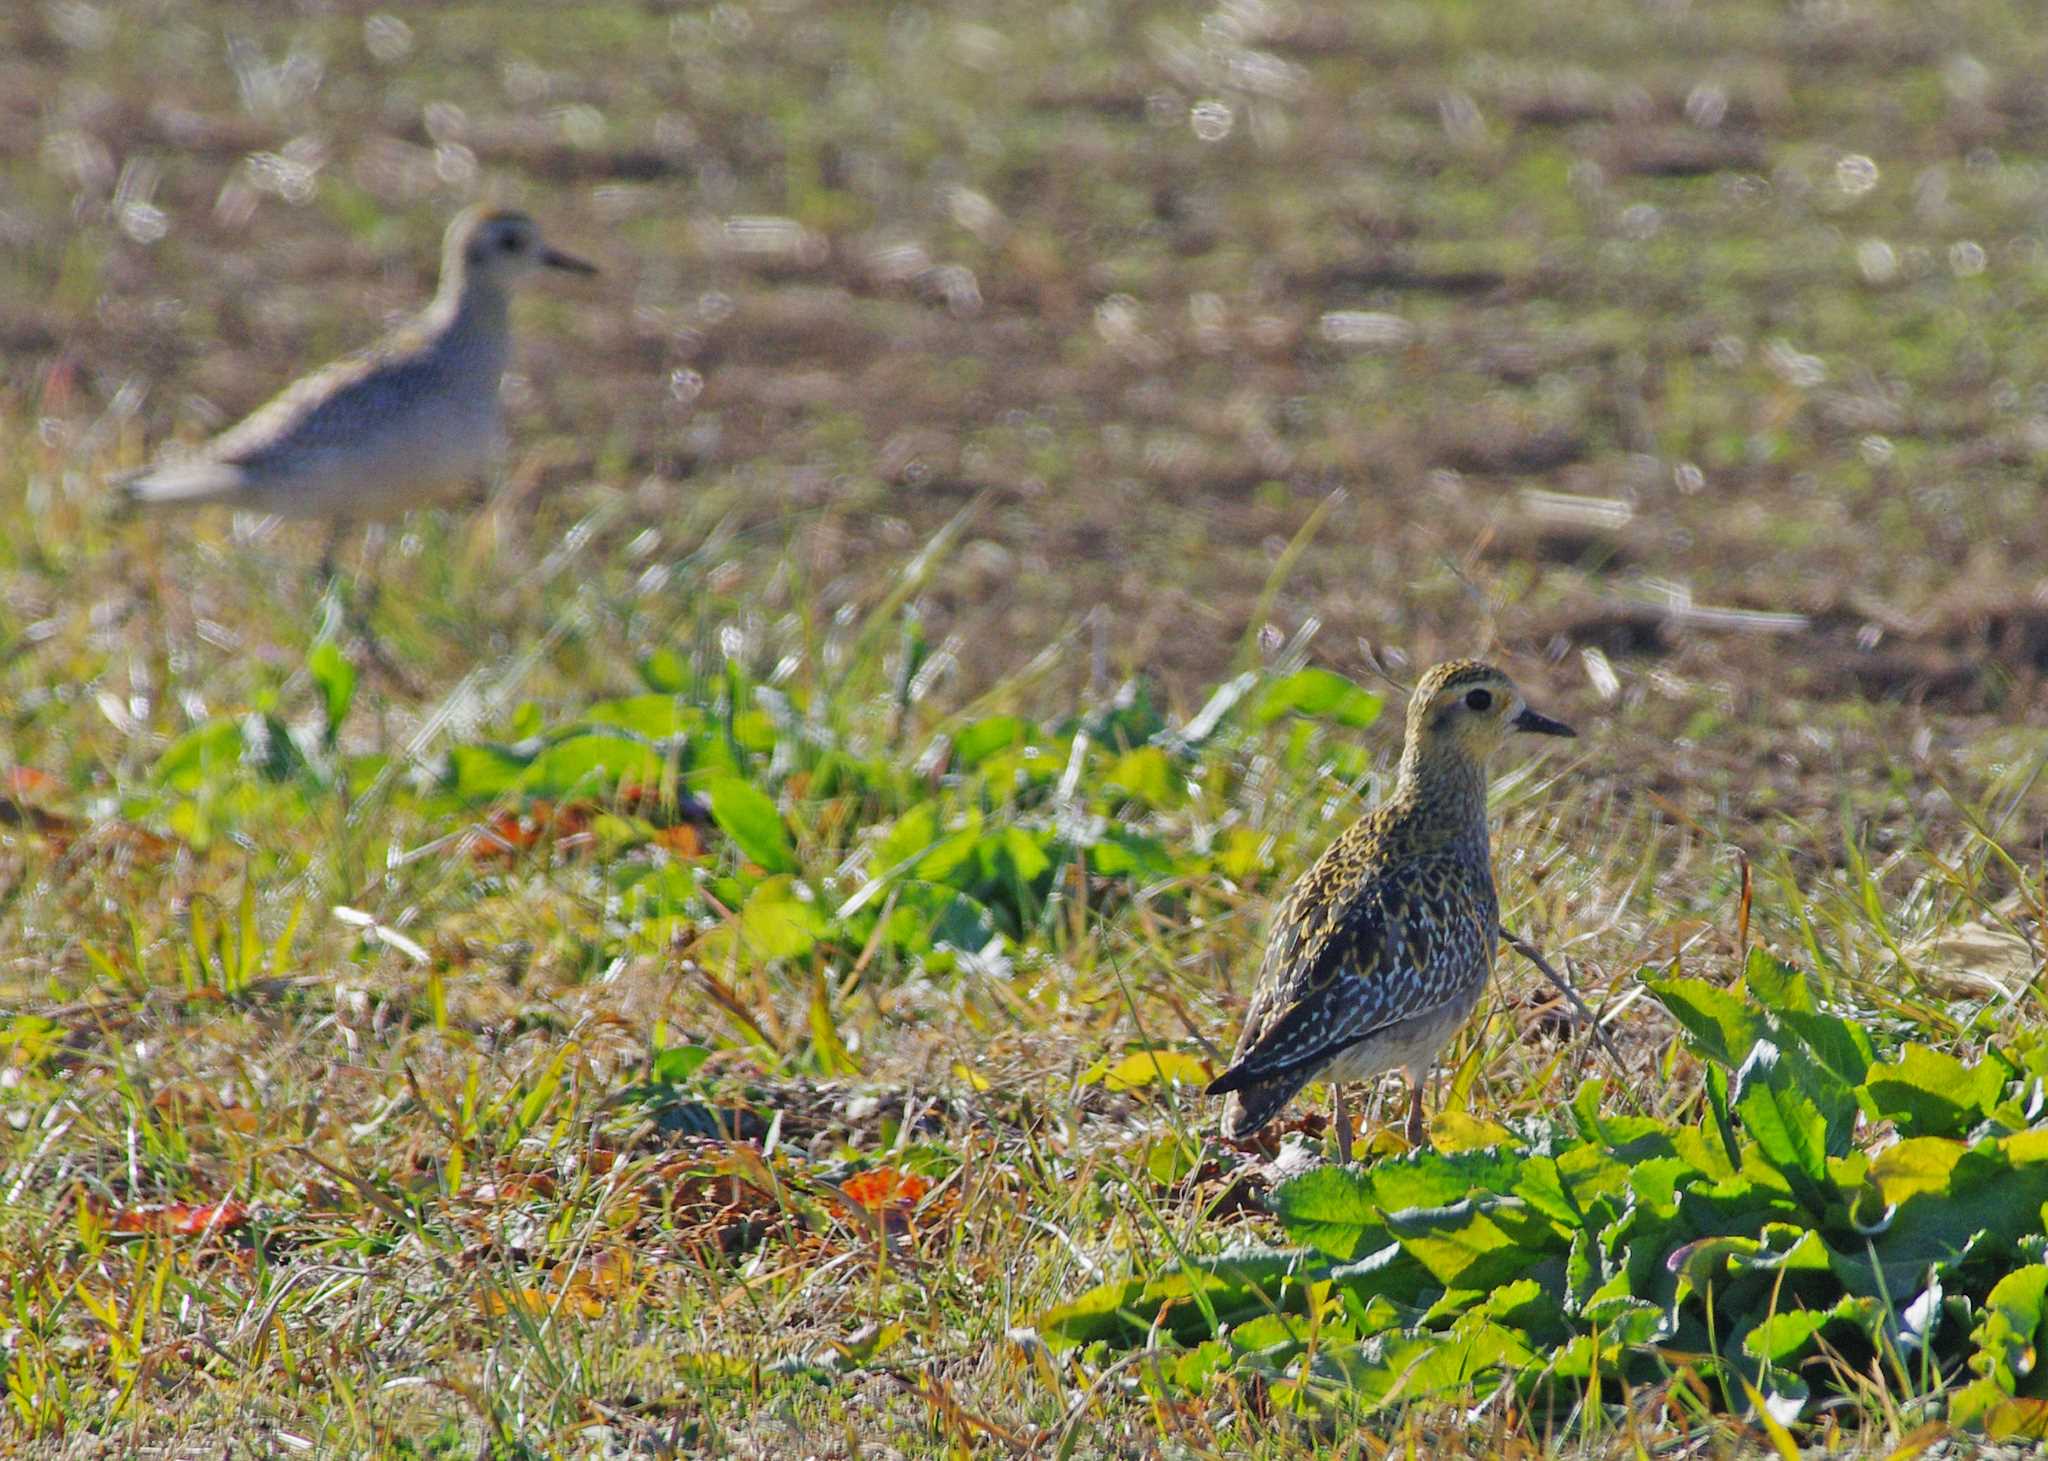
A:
(1149, 1067)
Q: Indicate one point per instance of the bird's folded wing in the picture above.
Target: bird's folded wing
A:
(1392, 949)
(328, 408)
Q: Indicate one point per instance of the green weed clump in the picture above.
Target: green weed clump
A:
(1851, 1218)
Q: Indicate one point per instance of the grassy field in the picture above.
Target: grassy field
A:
(744, 986)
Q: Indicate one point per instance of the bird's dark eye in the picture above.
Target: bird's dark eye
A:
(509, 243)
(1479, 700)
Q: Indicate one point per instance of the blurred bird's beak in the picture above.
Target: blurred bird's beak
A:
(1541, 725)
(556, 259)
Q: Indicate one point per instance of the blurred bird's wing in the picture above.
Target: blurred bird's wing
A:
(334, 405)
(1395, 946)
(325, 411)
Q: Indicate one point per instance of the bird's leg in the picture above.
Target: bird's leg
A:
(328, 553)
(359, 615)
(1417, 1136)
(1342, 1118)
(373, 552)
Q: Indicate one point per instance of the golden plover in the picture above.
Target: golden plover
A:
(391, 427)
(1382, 948)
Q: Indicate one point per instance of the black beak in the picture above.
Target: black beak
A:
(1541, 725)
(556, 259)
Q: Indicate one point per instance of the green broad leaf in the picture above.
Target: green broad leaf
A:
(983, 739)
(1526, 1307)
(931, 918)
(1778, 986)
(1147, 774)
(1991, 1201)
(1721, 1025)
(677, 1063)
(1243, 852)
(1015, 857)
(755, 730)
(203, 754)
(1473, 1360)
(1631, 1138)
(1601, 1352)
(657, 717)
(1433, 1179)
(1236, 1286)
(1840, 1047)
(1982, 1406)
(1273, 1342)
(335, 678)
(2010, 1336)
(1704, 1261)
(953, 857)
(1207, 1361)
(1319, 694)
(909, 838)
(776, 924)
(1121, 854)
(1929, 1092)
(749, 817)
(1131, 718)
(713, 756)
(590, 765)
(1656, 1182)
(1913, 1166)
(665, 671)
(1785, 1337)
(1477, 1243)
(1381, 1291)
(1787, 1127)
(1583, 1187)
(484, 771)
(1786, 1246)
(1724, 1119)
(1332, 1210)
(963, 924)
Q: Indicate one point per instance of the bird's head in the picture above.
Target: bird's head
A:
(1466, 708)
(499, 246)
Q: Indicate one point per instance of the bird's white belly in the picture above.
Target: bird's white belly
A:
(383, 471)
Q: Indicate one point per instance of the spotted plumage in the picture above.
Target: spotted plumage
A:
(1382, 948)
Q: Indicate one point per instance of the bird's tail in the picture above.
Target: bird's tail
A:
(1250, 1105)
(180, 484)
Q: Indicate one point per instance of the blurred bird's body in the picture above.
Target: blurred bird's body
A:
(394, 427)
(1381, 950)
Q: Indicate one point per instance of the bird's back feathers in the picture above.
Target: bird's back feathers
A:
(1377, 938)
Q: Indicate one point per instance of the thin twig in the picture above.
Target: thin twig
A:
(1187, 1021)
(1534, 955)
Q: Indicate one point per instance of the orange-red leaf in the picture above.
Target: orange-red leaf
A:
(885, 1187)
(683, 839)
(180, 1219)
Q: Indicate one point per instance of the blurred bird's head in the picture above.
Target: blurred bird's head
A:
(498, 247)
(1466, 708)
